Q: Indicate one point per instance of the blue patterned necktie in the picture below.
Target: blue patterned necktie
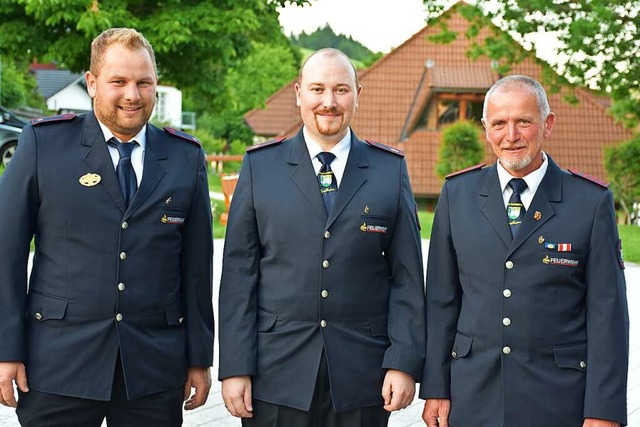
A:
(124, 170)
(515, 208)
(326, 179)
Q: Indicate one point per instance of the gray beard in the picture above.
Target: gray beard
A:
(516, 165)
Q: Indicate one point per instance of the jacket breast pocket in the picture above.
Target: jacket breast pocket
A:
(374, 224)
(174, 216)
(571, 356)
(46, 307)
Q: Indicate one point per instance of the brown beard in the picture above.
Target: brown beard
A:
(325, 130)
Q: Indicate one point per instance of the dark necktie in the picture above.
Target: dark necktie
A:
(515, 208)
(124, 170)
(326, 179)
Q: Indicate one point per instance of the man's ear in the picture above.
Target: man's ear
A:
(548, 124)
(91, 83)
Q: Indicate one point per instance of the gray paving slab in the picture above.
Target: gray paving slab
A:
(213, 412)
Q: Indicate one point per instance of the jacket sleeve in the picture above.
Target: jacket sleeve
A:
(196, 271)
(238, 302)
(443, 295)
(607, 319)
(18, 211)
(406, 319)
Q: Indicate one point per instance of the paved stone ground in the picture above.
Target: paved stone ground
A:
(215, 414)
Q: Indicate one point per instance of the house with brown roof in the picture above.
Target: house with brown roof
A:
(410, 94)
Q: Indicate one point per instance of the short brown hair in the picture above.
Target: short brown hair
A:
(125, 36)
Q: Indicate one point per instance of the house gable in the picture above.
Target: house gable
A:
(404, 89)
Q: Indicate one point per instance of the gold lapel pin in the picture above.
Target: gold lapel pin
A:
(537, 215)
(168, 201)
(90, 179)
(366, 209)
(541, 240)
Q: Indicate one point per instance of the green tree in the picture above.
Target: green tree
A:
(18, 87)
(246, 86)
(599, 43)
(622, 163)
(196, 42)
(326, 37)
(460, 148)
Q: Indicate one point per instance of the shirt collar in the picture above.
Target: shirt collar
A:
(340, 150)
(140, 137)
(533, 179)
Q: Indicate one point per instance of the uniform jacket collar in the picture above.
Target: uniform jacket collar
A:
(304, 177)
(540, 210)
(96, 155)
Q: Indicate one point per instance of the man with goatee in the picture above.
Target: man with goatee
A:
(321, 299)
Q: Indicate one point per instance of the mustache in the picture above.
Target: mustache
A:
(324, 110)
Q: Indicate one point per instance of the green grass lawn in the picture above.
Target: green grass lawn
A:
(630, 235)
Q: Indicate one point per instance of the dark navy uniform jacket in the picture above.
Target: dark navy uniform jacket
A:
(531, 331)
(104, 278)
(297, 282)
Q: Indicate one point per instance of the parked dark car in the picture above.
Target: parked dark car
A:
(10, 129)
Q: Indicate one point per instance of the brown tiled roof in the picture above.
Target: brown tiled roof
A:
(398, 87)
(468, 78)
(280, 115)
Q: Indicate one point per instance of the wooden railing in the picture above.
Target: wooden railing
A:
(228, 180)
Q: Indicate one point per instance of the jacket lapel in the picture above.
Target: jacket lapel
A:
(493, 205)
(352, 179)
(154, 154)
(304, 176)
(98, 159)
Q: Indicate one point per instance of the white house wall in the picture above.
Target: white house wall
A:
(168, 106)
(72, 98)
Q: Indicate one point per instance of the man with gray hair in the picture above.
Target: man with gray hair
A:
(527, 320)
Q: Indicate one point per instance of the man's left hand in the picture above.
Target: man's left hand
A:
(597, 422)
(200, 379)
(398, 390)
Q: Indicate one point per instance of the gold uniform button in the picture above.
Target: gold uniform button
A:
(583, 364)
(119, 317)
(327, 234)
(325, 263)
(323, 323)
(506, 293)
(506, 349)
(123, 255)
(454, 354)
(38, 316)
(506, 321)
(509, 265)
(125, 225)
(324, 293)
(121, 287)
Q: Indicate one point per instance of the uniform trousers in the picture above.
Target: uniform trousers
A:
(321, 413)
(39, 409)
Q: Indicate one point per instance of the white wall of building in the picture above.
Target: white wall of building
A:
(72, 98)
(168, 106)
